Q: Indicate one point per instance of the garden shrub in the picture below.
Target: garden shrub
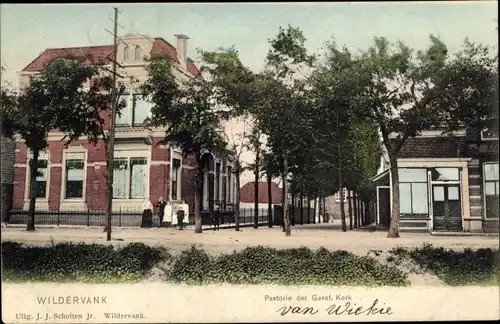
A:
(457, 268)
(263, 265)
(79, 262)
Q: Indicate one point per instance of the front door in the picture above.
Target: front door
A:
(384, 207)
(447, 210)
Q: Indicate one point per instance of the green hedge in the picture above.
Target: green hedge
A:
(469, 267)
(262, 265)
(79, 262)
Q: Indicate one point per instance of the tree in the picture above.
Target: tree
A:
(286, 58)
(55, 99)
(405, 92)
(187, 111)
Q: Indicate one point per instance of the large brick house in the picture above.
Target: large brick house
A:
(73, 178)
(447, 182)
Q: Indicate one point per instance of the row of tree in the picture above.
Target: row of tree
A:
(320, 123)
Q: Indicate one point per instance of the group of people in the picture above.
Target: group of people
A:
(163, 208)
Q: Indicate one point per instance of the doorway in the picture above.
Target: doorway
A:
(383, 206)
(447, 207)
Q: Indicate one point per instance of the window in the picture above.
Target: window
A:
(41, 180)
(129, 178)
(74, 178)
(229, 179)
(141, 110)
(138, 53)
(126, 53)
(413, 195)
(123, 117)
(176, 167)
(491, 180)
(445, 174)
(217, 181)
(489, 134)
(344, 194)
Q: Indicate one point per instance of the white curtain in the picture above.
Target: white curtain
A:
(138, 181)
(75, 171)
(120, 180)
(142, 109)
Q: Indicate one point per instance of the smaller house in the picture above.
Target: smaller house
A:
(247, 195)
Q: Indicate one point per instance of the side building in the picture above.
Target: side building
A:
(447, 182)
(73, 178)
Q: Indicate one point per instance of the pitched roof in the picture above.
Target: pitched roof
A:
(247, 193)
(99, 55)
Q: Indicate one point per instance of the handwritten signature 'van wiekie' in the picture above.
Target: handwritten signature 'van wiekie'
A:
(338, 309)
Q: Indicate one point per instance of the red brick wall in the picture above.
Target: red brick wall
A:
(19, 186)
(95, 195)
(55, 187)
(160, 152)
(159, 180)
(22, 155)
(188, 188)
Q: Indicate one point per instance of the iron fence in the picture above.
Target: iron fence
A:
(125, 217)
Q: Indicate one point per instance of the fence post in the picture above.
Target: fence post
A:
(120, 217)
(58, 215)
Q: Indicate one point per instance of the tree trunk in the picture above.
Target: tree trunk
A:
(237, 203)
(355, 208)
(285, 196)
(283, 200)
(319, 208)
(256, 189)
(30, 226)
(109, 188)
(360, 212)
(324, 211)
(349, 201)
(367, 213)
(301, 206)
(341, 195)
(269, 201)
(198, 199)
(308, 211)
(394, 224)
(294, 203)
(315, 210)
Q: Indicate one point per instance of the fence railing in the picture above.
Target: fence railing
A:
(129, 218)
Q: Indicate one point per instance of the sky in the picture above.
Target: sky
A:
(28, 29)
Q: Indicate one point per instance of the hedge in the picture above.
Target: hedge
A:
(263, 265)
(469, 267)
(69, 262)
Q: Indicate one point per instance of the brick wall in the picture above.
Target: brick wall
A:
(95, 195)
(159, 180)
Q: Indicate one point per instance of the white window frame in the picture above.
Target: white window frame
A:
(219, 181)
(45, 155)
(175, 154)
(128, 96)
(484, 189)
(135, 153)
(344, 194)
(69, 154)
(137, 47)
(229, 179)
(487, 138)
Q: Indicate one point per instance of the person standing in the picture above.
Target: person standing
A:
(160, 206)
(147, 214)
(180, 219)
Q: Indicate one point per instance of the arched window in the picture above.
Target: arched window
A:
(137, 53)
(125, 53)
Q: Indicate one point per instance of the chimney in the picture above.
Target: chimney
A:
(182, 48)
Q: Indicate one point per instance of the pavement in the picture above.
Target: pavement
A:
(359, 241)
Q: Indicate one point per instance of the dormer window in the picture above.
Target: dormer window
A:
(126, 53)
(138, 53)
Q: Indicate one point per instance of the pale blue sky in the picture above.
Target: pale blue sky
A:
(27, 30)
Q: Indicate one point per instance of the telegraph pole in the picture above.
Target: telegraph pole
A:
(111, 135)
